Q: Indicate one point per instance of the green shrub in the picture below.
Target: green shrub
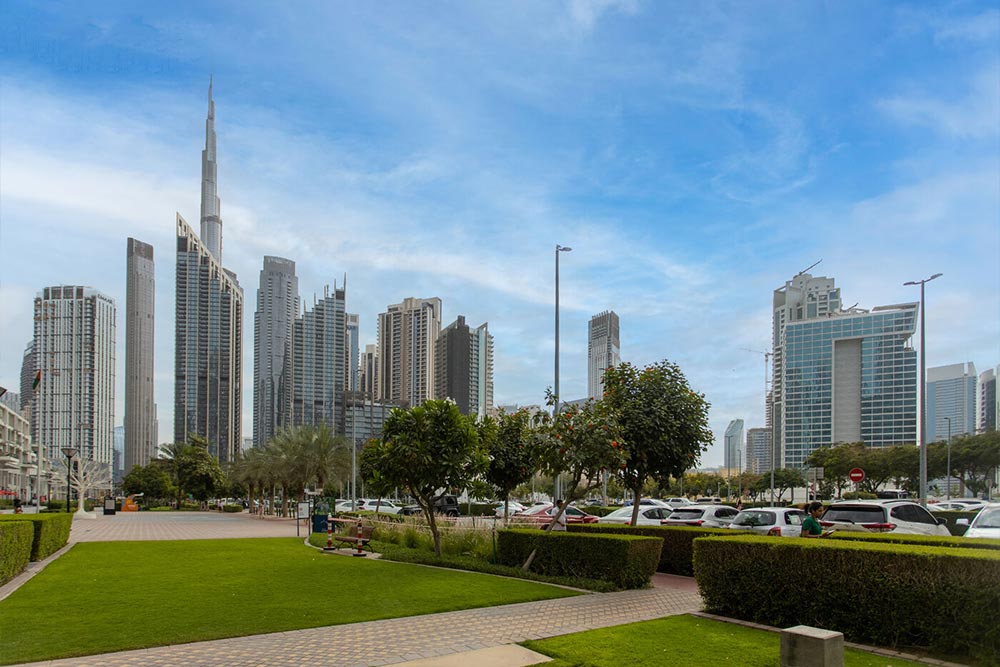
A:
(627, 561)
(938, 598)
(232, 509)
(952, 516)
(675, 558)
(926, 540)
(859, 495)
(51, 532)
(16, 539)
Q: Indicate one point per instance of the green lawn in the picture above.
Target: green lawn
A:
(111, 596)
(679, 641)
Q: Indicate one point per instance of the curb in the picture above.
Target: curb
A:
(33, 568)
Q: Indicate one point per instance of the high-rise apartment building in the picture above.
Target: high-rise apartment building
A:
(318, 362)
(848, 377)
(140, 408)
(74, 404)
(273, 324)
(951, 401)
(369, 370)
(28, 370)
(208, 363)
(989, 402)
(733, 442)
(352, 348)
(407, 332)
(603, 350)
(804, 297)
(758, 450)
(118, 455)
(463, 367)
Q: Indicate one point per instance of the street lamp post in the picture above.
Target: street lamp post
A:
(557, 488)
(70, 452)
(923, 390)
(947, 475)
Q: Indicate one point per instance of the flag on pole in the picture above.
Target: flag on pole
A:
(38, 379)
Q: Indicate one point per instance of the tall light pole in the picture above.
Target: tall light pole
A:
(923, 390)
(947, 476)
(557, 490)
(70, 452)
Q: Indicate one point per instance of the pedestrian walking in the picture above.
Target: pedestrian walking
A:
(17, 506)
(810, 525)
(559, 523)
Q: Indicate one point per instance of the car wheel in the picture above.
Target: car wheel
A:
(452, 513)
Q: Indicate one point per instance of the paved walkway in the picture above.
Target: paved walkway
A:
(179, 526)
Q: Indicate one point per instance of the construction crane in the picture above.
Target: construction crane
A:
(807, 268)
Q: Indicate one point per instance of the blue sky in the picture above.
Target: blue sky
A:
(694, 155)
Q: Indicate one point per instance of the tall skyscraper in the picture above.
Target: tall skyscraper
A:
(208, 364)
(74, 403)
(406, 335)
(352, 347)
(733, 441)
(801, 298)
(118, 455)
(758, 450)
(318, 362)
(603, 350)
(140, 409)
(28, 370)
(951, 397)
(849, 377)
(273, 325)
(463, 366)
(369, 370)
(989, 402)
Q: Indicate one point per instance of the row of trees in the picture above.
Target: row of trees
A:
(186, 470)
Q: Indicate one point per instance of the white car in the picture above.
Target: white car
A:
(512, 508)
(950, 507)
(780, 521)
(986, 523)
(883, 516)
(648, 516)
(707, 516)
(369, 505)
(677, 502)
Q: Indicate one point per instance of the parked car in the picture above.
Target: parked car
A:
(953, 506)
(647, 501)
(780, 521)
(883, 516)
(707, 500)
(648, 516)
(709, 516)
(677, 502)
(369, 505)
(446, 505)
(513, 508)
(986, 523)
(542, 514)
(970, 504)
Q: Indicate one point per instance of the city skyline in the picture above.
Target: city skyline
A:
(693, 166)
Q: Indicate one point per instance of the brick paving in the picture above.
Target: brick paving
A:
(179, 526)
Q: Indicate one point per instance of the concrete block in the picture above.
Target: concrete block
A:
(804, 646)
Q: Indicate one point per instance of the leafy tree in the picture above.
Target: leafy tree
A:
(511, 461)
(192, 469)
(975, 459)
(152, 481)
(784, 479)
(426, 448)
(662, 421)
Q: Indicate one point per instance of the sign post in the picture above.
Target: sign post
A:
(857, 476)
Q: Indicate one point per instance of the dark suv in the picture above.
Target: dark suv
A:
(446, 505)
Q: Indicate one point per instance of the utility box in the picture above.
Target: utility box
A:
(109, 505)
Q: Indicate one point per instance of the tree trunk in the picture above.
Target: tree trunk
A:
(635, 505)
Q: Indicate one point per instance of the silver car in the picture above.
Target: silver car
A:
(986, 523)
(708, 516)
(779, 521)
(648, 516)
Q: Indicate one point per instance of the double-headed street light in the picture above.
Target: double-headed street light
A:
(923, 391)
(947, 477)
(557, 491)
(70, 452)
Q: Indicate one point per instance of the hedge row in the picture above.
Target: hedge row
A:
(904, 596)
(51, 532)
(675, 558)
(627, 561)
(924, 540)
(15, 548)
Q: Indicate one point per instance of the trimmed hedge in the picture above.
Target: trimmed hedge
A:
(51, 532)
(951, 516)
(232, 509)
(675, 558)
(627, 561)
(941, 599)
(925, 540)
(15, 548)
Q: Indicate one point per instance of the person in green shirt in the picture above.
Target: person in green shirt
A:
(810, 525)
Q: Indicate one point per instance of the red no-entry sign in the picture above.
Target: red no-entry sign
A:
(857, 475)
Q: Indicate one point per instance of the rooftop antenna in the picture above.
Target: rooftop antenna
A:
(806, 269)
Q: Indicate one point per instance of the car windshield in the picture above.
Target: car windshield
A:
(854, 514)
(685, 514)
(624, 512)
(988, 518)
(754, 518)
(537, 509)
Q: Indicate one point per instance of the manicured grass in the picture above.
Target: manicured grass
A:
(680, 641)
(111, 596)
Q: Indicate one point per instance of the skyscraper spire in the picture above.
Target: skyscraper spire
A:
(211, 222)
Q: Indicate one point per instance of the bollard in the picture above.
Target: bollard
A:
(329, 532)
(360, 551)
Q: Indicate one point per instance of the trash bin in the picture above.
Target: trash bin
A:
(109, 505)
(319, 523)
